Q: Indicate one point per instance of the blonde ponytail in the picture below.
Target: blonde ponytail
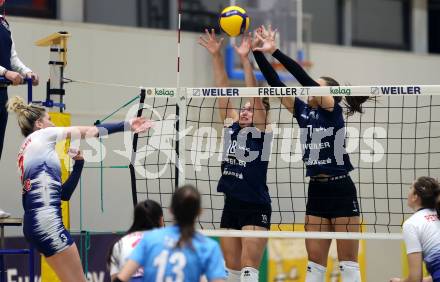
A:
(27, 115)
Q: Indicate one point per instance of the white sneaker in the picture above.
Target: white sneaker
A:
(4, 214)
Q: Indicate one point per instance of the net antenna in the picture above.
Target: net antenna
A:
(285, 16)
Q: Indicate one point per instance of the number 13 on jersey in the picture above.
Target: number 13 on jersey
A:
(177, 260)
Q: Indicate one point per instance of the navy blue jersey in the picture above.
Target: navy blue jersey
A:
(5, 44)
(322, 139)
(245, 160)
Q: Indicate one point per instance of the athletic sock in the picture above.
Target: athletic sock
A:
(315, 272)
(233, 275)
(350, 271)
(249, 274)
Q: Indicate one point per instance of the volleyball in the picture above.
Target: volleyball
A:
(234, 21)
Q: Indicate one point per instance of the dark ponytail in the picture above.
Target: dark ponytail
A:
(185, 206)
(428, 190)
(353, 103)
(147, 215)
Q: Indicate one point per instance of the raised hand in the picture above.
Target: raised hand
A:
(256, 41)
(140, 124)
(245, 46)
(267, 40)
(210, 42)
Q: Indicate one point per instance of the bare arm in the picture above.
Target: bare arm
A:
(243, 53)
(259, 110)
(213, 46)
(415, 269)
(128, 270)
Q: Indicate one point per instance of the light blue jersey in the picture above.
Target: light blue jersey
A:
(162, 261)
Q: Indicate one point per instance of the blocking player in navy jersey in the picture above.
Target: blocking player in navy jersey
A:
(178, 252)
(332, 203)
(421, 231)
(247, 146)
(12, 68)
(40, 177)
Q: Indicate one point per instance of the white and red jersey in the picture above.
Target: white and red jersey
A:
(122, 250)
(421, 233)
(38, 149)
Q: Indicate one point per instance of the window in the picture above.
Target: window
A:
(381, 23)
(326, 21)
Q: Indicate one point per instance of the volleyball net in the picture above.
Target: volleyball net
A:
(392, 143)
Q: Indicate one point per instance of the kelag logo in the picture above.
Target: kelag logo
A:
(340, 91)
(164, 92)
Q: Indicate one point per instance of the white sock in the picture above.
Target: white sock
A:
(350, 271)
(233, 275)
(315, 272)
(249, 274)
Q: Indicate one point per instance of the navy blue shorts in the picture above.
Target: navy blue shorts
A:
(45, 231)
(237, 214)
(329, 198)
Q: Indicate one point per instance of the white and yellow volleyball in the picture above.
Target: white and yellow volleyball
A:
(234, 21)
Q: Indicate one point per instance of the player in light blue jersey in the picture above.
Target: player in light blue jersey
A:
(178, 253)
(421, 231)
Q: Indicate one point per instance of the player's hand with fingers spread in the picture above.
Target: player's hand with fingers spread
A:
(14, 77)
(211, 43)
(245, 46)
(140, 124)
(267, 37)
(257, 42)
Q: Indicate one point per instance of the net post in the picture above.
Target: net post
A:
(134, 149)
(58, 61)
(181, 111)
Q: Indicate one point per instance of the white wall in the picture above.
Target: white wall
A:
(148, 57)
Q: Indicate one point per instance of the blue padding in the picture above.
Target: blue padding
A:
(238, 74)
(15, 251)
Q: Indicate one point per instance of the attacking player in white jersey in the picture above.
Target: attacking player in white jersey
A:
(421, 231)
(40, 177)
